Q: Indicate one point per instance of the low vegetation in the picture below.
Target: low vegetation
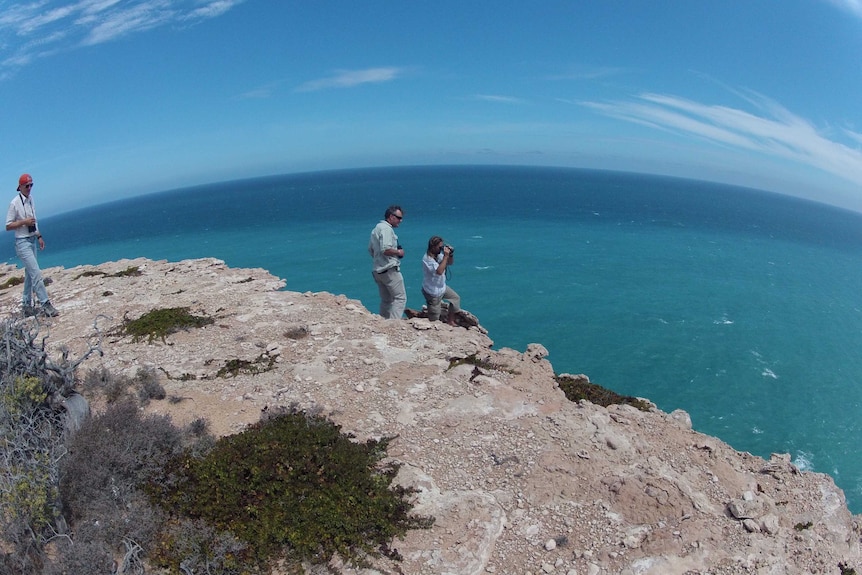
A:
(234, 367)
(575, 388)
(127, 493)
(162, 322)
(131, 271)
(39, 408)
(474, 360)
(290, 487)
(13, 281)
(578, 388)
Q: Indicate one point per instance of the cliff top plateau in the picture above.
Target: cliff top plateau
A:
(518, 478)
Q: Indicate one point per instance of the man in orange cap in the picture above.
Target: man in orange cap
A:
(21, 218)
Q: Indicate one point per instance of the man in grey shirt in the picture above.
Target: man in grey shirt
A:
(386, 257)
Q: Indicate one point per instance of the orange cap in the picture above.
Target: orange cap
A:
(24, 179)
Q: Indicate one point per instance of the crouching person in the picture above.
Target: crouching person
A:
(435, 263)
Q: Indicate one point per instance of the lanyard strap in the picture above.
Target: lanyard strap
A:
(24, 206)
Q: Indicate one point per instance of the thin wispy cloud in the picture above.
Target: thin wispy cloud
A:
(40, 28)
(856, 136)
(351, 78)
(256, 94)
(498, 99)
(591, 74)
(776, 132)
(852, 6)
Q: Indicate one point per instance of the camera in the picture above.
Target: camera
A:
(31, 229)
(400, 248)
(451, 253)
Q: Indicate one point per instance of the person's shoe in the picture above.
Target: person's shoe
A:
(29, 311)
(49, 310)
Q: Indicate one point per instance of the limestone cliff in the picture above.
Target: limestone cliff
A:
(519, 479)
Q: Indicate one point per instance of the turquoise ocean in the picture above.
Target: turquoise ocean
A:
(739, 306)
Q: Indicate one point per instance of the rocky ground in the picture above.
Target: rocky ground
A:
(519, 479)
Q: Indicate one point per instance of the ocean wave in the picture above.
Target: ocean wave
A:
(483, 267)
(803, 461)
(765, 371)
(723, 321)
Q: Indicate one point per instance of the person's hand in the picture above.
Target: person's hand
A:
(29, 221)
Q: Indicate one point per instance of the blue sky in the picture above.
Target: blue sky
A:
(102, 99)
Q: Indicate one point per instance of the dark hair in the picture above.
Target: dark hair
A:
(391, 210)
(433, 242)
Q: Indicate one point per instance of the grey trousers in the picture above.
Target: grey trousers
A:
(393, 296)
(435, 303)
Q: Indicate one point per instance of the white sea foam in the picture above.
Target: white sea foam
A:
(483, 267)
(756, 430)
(803, 461)
(723, 321)
(768, 373)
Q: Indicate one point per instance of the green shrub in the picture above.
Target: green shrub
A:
(130, 271)
(22, 396)
(474, 360)
(160, 323)
(291, 486)
(577, 389)
(234, 367)
(28, 500)
(13, 281)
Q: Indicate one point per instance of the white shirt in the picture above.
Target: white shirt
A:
(433, 284)
(21, 208)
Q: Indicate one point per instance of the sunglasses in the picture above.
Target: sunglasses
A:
(399, 217)
(28, 185)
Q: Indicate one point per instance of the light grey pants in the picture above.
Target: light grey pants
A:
(435, 303)
(26, 249)
(393, 296)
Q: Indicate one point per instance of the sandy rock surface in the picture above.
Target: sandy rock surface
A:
(519, 479)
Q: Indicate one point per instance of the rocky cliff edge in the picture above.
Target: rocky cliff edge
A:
(519, 479)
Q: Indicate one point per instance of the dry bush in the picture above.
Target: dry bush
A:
(109, 456)
(39, 407)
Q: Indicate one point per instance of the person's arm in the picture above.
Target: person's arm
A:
(444, 263)
(12, 221)
(393, 250)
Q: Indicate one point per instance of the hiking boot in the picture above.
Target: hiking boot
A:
(49, 310)
(29, 310)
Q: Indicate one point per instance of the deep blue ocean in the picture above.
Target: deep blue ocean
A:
(739, 306)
